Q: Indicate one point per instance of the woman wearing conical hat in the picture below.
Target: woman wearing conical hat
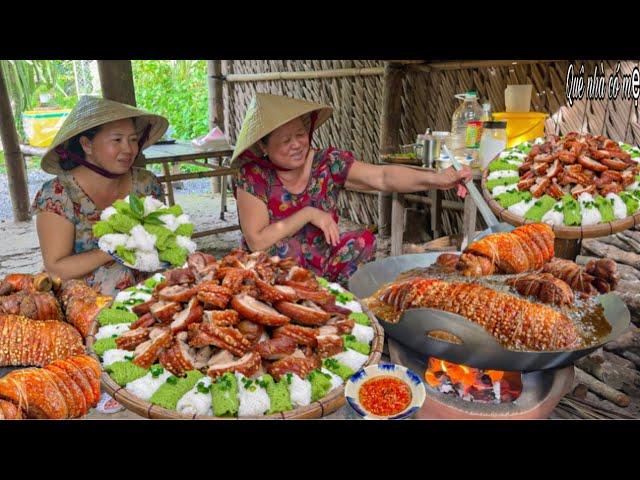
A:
(287, 191)
(96, 159)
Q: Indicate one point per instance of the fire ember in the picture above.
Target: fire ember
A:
(472, 384)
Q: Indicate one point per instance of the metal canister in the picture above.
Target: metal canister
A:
(432, 148)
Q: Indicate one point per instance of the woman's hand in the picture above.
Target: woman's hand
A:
(450, 177)
(104, 256)
(325, 222)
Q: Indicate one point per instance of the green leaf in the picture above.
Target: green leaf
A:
(153, 221)
(137, 207)
(202, 388)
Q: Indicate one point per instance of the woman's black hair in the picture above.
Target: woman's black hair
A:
(74, 146)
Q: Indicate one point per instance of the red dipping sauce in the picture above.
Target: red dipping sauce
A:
(384, 396)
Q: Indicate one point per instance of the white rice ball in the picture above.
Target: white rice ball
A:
(512, 153)
(115, 355)
(107, 213)
(142, 240)
(521, 207)
(502, 174)
(553, 217)
(336, 381)
(590, 214)
(619, 207)
(145, 387)
(186, 243)
(352, 359)
(110, 330)
(254, 402)
(182, 219)
(109, 242)
(363, 333)
(123, 296)
(169, 221)
(351, 305)
(151, 205)
(299, 391)
(497, 190)
(147, 261)
(194, 402)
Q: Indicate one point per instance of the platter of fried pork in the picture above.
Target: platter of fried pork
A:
(243, 336)
(504, 303)
(582, 185)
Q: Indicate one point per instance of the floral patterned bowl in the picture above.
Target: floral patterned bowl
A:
(410, 379)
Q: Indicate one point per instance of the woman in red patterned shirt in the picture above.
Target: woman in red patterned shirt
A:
(287, 191)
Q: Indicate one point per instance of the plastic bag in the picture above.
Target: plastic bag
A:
(214, 139)
(41, 126)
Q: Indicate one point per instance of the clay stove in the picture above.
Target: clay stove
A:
(527, 395)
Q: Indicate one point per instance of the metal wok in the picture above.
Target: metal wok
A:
(478, 348)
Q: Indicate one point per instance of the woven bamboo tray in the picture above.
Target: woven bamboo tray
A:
(561, 231)
(329, 404)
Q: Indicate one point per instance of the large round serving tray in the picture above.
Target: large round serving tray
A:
(325, 406)
(560, 231)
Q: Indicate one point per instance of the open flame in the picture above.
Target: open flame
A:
(473, 384)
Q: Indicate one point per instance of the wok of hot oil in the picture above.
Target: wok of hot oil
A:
(587, 315)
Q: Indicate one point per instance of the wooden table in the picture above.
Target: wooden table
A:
(435, 202)
(183, 152)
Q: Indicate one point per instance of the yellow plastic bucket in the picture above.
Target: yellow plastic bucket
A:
(41, 126)
(522, 126)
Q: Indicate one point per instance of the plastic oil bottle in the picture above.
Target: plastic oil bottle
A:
(466, 126)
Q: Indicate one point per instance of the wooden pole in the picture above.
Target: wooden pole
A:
(463, 65)
(116, 79)
(214, 69)
(312, 75)
(389, 135)
(16, 171)
(216, 106)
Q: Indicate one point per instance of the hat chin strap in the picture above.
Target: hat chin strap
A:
(268, 164)
(67, 154)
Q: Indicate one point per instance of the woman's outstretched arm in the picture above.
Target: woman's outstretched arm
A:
(395, 178)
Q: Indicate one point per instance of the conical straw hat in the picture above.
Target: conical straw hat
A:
(91, 112)
(268, 112)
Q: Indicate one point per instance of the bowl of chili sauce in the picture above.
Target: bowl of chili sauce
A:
(385, 391)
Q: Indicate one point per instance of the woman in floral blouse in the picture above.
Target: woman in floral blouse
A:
(287, 192)
(95, 157)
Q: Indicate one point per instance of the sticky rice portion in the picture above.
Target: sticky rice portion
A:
(253, 398)
(299, 391)
(146, 386)
(197, 401)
